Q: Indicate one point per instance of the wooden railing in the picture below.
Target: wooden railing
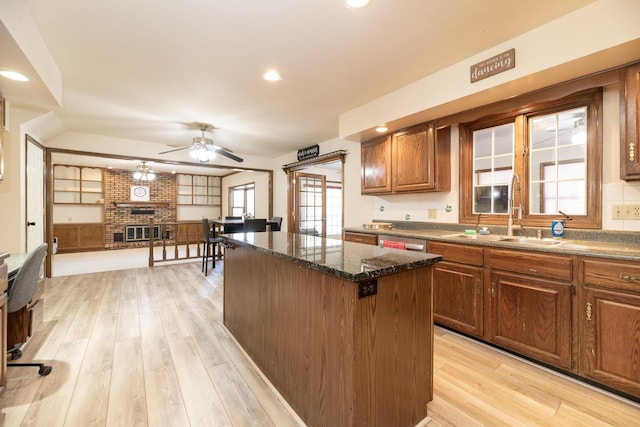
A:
(179, 244)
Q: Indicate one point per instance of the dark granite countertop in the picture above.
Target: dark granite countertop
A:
(348, 260)
(610, 245)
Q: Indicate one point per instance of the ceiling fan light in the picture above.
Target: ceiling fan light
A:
(137, 175)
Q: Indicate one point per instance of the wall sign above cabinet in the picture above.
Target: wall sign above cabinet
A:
(309, 152)
(495, 65)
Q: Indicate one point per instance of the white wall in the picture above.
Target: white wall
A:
(12, 193)
(261, 180)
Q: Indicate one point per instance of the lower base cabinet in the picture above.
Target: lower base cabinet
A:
(609, 318)
(79, 237)
(578, 314)
(532, 317)
(458, 288)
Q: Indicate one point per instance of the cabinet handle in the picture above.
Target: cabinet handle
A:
(629, 278)
(632, 151)
(589, 310)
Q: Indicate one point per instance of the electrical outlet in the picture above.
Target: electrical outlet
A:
(625, 212)
(432, 213)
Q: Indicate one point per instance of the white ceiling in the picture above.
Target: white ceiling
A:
(146, 70)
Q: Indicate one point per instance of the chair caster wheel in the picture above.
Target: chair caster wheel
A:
(44, 370)
(16, 354)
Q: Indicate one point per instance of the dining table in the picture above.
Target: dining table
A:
(224, 226)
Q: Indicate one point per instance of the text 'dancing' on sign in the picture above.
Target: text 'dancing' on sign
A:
(495, 65)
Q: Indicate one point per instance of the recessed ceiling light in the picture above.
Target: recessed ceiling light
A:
(356, 4)
(14, 75)
(381, 129)
(272, 76)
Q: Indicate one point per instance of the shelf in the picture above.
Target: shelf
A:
(141, 204)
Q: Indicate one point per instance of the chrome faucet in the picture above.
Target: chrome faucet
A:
(515, 185)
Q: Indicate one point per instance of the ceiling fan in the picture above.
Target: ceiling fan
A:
(204, 149)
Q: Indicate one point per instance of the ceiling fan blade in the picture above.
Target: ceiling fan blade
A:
(177, 149)
(229, 155)
(221, 148)
(224, 151)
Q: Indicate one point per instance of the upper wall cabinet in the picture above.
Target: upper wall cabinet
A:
(629, 128)
(412, 161)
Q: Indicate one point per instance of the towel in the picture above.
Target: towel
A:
(394, 245)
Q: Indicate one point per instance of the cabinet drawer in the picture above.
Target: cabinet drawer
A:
(607, 274)
(368, 239)
(532, 264)
(463, 254)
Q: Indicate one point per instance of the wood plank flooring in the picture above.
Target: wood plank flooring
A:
(146, 347)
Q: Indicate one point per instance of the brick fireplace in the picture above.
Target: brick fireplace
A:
(121, 212)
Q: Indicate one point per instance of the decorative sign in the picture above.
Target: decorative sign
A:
(309, 152)
(494, 65)
(139, 193)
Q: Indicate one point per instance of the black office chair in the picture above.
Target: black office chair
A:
(21, 290)
(210, 242)
(278, 224)
(254, 224)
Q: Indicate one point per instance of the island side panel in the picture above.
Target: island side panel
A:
(297, 326)
(394, 351)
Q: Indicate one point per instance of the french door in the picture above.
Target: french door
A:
(310, 207)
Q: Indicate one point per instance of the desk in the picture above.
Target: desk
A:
(20, 324)
(228, 226)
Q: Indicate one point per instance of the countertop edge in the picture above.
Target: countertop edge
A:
(429, 259)
(607, 250)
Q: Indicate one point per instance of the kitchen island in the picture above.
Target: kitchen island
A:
(344, 331)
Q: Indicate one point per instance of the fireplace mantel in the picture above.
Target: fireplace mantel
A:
(141, 204)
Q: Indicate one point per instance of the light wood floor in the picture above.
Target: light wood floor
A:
(146, 346)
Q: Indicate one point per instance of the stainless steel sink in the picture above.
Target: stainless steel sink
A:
(479, 237)
(533, 241)
(521, 240)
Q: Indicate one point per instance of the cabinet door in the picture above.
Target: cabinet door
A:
(458, 297)
(376, 166)
(532, 317)
(68, 237)
(413, 164)
(629, 127)
(92, 236)
(611, 325)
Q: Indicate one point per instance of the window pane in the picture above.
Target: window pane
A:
(558, 162)
(493, 167)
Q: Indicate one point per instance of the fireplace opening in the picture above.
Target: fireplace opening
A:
(140, 232)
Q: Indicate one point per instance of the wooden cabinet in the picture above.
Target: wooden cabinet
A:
(531, 301)
(368, 239)
(376, 166)
(79, 237)
(415, 160)
(3, 325)
(629, 127)
(458, 287)
(189, 231)
(609, 321)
